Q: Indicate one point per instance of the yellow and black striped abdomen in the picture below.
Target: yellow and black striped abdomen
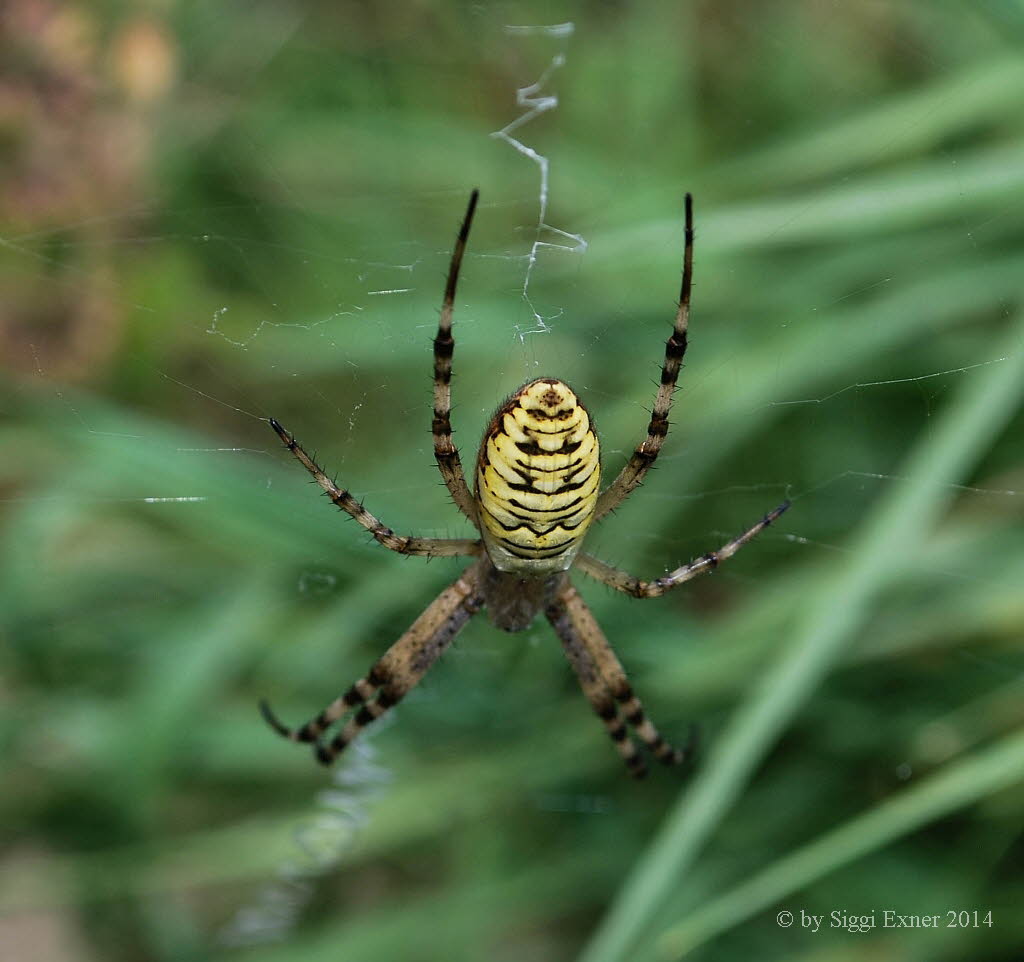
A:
(537, 479)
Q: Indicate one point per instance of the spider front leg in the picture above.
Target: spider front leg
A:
(604, 682)
(626, 583)
(646, 452)
(395, 674)
(448, 461)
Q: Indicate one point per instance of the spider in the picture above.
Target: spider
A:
(537, 493)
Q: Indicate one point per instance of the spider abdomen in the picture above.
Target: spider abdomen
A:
(537, 479)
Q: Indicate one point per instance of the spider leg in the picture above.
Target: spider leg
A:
(594, 687)
(614, 676)
(396, 673)
(448, 460)
(357, 694)
(403, 544)
(622, 581)
(647, 451)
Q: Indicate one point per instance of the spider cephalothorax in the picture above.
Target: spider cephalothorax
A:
(538, 475)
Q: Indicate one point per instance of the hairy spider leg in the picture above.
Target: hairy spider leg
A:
(447, 454)
(646, 452)
(396, 672)
(625, 582)
(605, 684)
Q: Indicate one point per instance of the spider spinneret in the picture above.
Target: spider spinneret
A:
(538, 475)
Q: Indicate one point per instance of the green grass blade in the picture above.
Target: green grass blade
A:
(958, 785)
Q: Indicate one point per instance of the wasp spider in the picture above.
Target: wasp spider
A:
(537, 493)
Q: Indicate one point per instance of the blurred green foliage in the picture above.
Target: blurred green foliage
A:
(215, 213)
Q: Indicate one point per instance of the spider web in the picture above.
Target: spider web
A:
(318, 307)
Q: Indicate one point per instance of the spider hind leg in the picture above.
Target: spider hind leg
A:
(395, 674)
(359, 693)
(606, 686)
(633, 712)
